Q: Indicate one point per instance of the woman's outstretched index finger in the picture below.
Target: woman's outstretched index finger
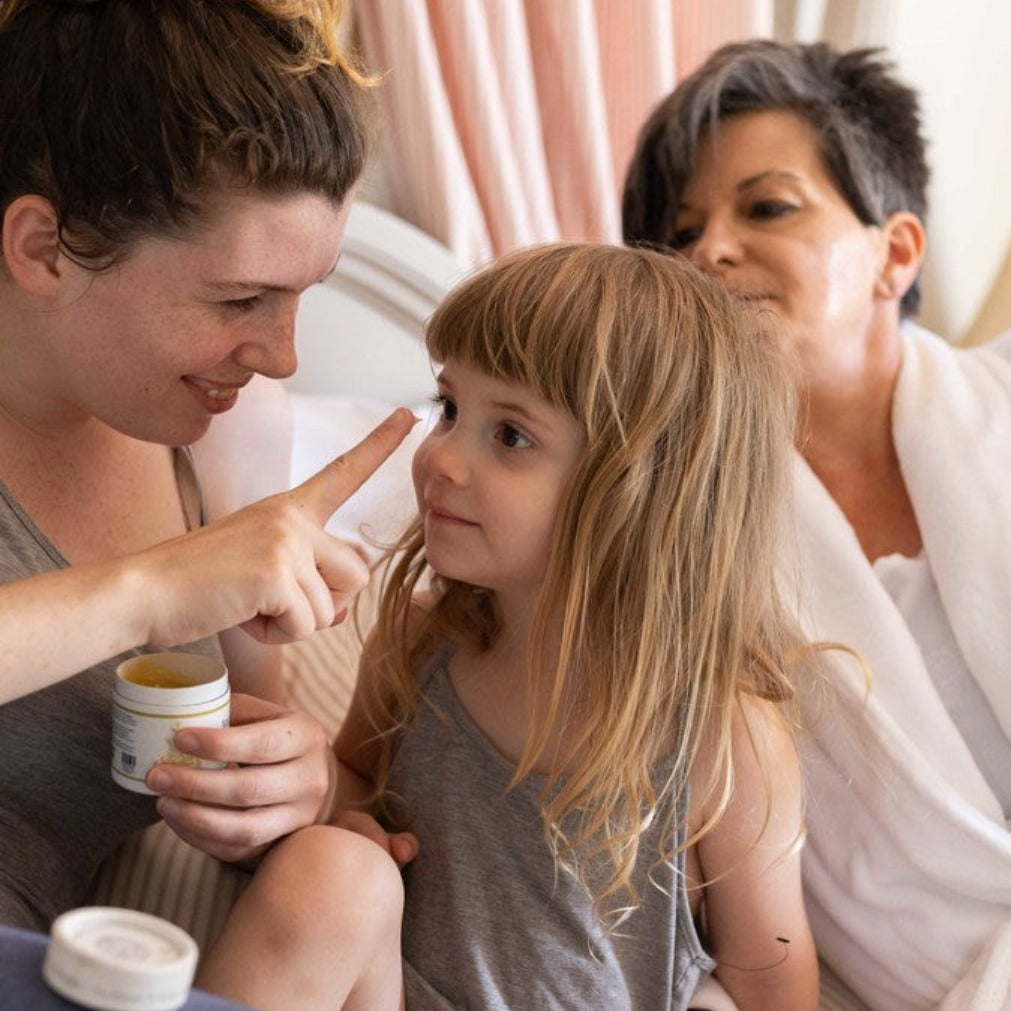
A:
(328, 489)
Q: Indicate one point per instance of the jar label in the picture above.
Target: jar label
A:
(141, 740)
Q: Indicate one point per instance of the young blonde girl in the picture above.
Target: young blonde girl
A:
(568, 707)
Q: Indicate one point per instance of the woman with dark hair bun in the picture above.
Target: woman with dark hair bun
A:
(173, 175)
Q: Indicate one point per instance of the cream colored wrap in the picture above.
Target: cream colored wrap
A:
(908, 862)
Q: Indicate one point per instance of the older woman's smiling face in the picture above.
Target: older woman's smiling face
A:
(762, 213)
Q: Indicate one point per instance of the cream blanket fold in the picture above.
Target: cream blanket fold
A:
(908, 860)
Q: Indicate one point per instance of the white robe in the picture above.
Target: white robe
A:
(908, 861)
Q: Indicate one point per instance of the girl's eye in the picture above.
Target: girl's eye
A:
(445, 407)
(766, 210)
(512, 438)
(244, 304)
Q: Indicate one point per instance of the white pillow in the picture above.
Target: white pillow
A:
(326, 426)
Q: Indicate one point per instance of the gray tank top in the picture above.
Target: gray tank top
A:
(489, 922)
(61, 814)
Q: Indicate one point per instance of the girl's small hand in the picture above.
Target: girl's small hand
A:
(281, 776)
(402, 846)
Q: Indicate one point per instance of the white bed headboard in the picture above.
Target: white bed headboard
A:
(358, 338)
(358, 334)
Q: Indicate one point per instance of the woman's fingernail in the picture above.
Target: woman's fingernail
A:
(186, 742)
(167, 808)
(158, 781)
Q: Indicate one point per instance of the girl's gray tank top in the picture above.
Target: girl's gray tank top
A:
(490, 922)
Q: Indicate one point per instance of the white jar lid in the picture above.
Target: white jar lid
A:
(119, 960)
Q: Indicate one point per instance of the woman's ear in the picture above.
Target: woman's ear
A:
(31, 245)
(905, 242)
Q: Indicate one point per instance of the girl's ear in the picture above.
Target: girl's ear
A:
(31, 245)
(905, 242)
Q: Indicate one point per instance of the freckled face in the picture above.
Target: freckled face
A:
(490, 479)
(762, 213)
(163, 341)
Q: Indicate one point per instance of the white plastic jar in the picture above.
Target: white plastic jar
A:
(119, 960)
(156, 695)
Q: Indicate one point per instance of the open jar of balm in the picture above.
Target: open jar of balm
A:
(156, 695)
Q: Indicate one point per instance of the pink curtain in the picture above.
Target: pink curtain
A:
(511, 121)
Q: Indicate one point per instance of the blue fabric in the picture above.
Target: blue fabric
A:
(23, 989)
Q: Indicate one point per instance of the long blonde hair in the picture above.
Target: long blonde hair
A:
(662, 566)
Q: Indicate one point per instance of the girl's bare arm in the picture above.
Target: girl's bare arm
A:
(755, 919)
(357, 751)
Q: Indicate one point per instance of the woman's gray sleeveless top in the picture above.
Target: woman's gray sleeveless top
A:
(61, 814)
